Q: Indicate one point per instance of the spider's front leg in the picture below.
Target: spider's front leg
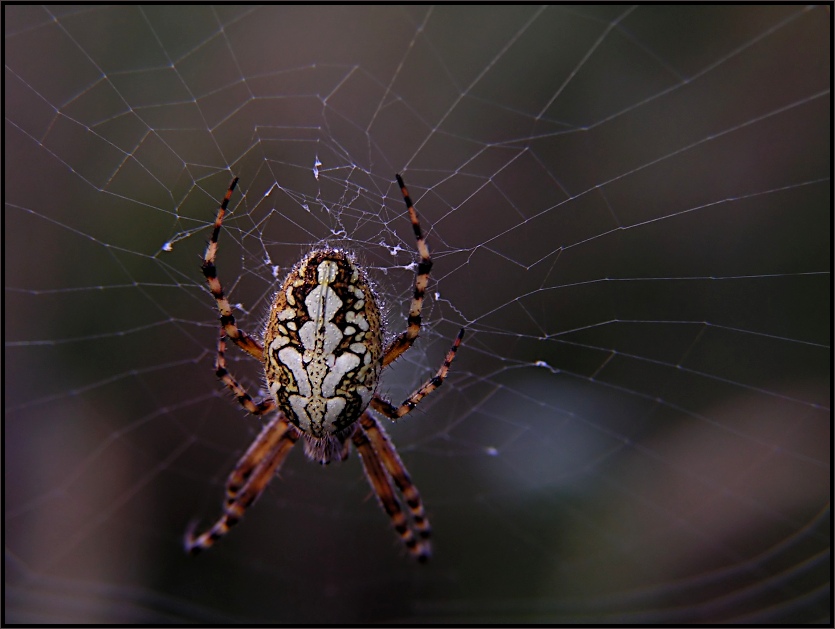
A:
(248, 480)
(255, 468)
(381, 465)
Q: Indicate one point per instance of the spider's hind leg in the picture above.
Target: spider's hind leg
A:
(227, 319)
(404, 340)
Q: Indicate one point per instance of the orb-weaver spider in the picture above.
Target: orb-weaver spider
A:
(323, 353)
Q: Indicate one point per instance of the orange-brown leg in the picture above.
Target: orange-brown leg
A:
(245, 400)
(385, 407)
(253, 486)
(265, 443)
(394, 466)
(383, 488)
(227, 319)
(404, 340)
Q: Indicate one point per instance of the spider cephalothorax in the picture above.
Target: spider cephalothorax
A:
(323, 353)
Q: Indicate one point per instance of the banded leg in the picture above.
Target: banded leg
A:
(259, 450)
(253, 487)
(404, 340)
(227, 319)
(388, 409)
(382, 486)
(262, 407)
(394, 466)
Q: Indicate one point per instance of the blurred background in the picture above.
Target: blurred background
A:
(628, 208)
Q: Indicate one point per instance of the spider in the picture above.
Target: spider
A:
(323, 353)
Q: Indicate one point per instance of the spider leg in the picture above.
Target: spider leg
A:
(262, 407)
(405, 339)
(258, 451)
(388, 409)
(381, 483)
(394, 466)
(227, 319)
(254, 485)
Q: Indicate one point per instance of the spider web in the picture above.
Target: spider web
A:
(628, 208)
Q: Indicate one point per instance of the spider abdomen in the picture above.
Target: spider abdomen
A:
(323, 344)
